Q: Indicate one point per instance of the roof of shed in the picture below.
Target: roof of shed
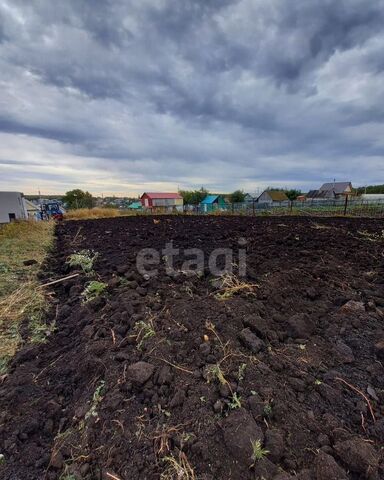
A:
(30, 206)
(321, 194)
(162, 195)
(210, 199)
(312, 193)
(326, 194)
(135, 205)
(277, 195)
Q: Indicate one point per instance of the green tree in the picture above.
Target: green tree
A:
(78, 199)
(193, 197)
(293, 193)
(371, 189)
(238, 196)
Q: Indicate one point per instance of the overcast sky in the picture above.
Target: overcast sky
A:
(126, 96)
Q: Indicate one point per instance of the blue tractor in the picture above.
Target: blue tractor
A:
(51, 210)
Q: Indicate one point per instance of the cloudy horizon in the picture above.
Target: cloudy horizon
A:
(121, 97)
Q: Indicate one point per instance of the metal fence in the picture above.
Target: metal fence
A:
(322, 208)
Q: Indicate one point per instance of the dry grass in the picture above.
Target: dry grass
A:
(19, 295)
(231, 285)
(163, 437)
(86, 213)
(178, 468)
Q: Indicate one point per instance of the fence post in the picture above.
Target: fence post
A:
(253, 207)
(233, 207)
(290, 206)
(345, 205)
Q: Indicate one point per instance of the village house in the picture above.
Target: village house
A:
(273, 198)
(248, 198)
(12, 207)
(162, 201)
(213, 202)
(331, 191)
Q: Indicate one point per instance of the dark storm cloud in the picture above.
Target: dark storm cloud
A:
(252, 89)
(66, 136)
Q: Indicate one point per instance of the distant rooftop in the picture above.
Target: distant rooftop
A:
(337, 187)
(210, 199)
(162, 195)
(277, 195)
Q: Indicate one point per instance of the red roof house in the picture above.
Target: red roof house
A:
(157, 199)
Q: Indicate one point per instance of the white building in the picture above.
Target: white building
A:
(12, 207)
(372, 196)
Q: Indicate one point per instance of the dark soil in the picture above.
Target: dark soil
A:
(301, 357)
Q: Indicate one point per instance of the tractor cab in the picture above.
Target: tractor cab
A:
(51, 210)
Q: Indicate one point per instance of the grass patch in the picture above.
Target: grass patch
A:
(85, 213)
(20, 296)
(3, 365)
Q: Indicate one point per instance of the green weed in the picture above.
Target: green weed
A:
(3, 365)
(96, 399)
(214, 372)
(93, 290)
(267, 410)
(39, 330)
(145, 330)
(235, 402)
(241, 372)
(258, 452)
(84, 259)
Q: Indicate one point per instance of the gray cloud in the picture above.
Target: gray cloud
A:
(222, 93)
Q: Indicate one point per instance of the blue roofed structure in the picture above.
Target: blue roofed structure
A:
(209, 199)
(135, 206)
(213, 202)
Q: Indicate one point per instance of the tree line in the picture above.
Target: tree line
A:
(370, 189)
(79, 199)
